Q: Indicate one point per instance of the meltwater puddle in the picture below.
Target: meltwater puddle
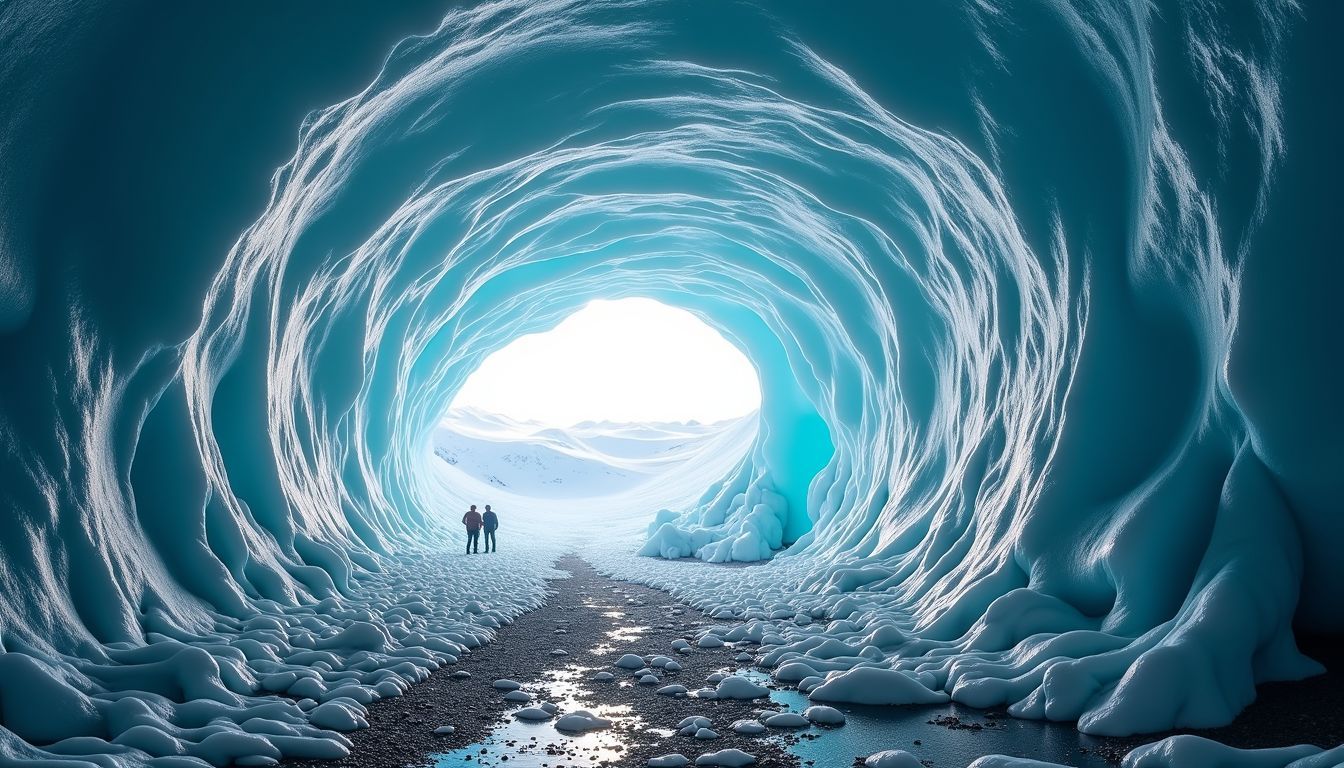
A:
(941, 736)
(519, 743)
(605, 619)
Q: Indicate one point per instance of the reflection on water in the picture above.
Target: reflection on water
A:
(522, 744)
(942, 736)
(627, 634)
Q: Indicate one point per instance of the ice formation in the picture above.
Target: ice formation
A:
(1040, 298)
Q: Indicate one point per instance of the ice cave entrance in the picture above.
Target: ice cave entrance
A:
(627, 398)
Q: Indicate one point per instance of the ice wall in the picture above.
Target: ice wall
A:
(1040, 298)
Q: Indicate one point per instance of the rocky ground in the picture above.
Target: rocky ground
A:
(594, 620)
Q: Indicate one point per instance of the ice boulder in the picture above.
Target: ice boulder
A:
(507, 685)
(706, 734)
(824, 715)
(338, 715)
(794, 671)
(748, 727)
(787, 720)
(688, 726)
(534, 713)
(630, 661)
(875, 685)
(1188, 751)
(893, 758)
(739, 688)
(672, 690)
(581, 721)
(603, 677)
(225, 747)
(728, 758)
(669, 761)
(359, 636)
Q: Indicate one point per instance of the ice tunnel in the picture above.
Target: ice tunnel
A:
(1039, 296)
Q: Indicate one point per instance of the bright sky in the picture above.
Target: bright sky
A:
(625, 360)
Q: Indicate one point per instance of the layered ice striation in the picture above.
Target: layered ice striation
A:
(1039, 297)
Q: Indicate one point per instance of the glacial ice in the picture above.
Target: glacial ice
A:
(824, 715)
(894, 758)
(734, 687)
(1046, 336)
(1187, 751)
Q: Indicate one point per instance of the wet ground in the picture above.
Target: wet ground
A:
(594, 620)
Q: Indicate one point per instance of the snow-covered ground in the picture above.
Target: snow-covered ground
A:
(587, 460)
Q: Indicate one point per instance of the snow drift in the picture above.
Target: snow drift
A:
(1039, 298)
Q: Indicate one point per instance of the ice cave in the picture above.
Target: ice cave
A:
(1047, 467)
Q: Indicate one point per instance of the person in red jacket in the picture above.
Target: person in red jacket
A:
(473, 522)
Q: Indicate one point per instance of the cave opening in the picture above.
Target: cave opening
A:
(622, 397)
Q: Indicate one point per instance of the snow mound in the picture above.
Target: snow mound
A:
(728, 758)
(873, 685)
(748, 727)
(893, 758)
(824, 715)
(581, 721)
(735, 687)
(786, 720)
(690, 725)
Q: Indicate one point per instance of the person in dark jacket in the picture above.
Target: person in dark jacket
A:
(491, 521)
(473, 522)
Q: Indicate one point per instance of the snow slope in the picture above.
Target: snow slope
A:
(583, 461)
(1042, 298)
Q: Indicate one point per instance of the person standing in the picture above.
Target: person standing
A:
(473, 522)
(491, 522)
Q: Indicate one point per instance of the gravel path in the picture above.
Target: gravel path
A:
(595, 620)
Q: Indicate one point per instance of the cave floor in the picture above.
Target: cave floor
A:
(595, 620)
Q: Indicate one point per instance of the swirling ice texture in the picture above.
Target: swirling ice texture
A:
(991, 262)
